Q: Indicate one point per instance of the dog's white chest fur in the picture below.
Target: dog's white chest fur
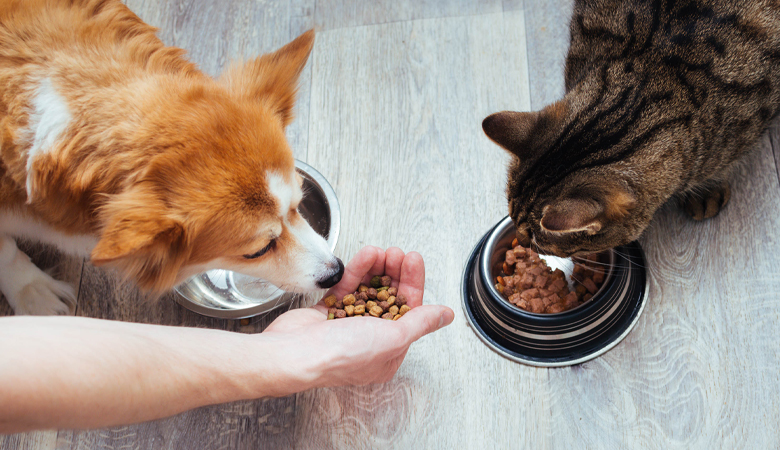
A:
(49, 119)
(19, 225)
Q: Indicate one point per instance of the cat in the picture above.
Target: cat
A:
(662, 97)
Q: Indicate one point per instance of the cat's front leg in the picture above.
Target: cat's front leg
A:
(28, 289)
(707, 201)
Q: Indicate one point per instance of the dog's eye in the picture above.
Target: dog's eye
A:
(262, 251)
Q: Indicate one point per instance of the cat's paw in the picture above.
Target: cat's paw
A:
(44, 296)
(709, 202)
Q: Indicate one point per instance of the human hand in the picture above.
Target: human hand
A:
(360, 350)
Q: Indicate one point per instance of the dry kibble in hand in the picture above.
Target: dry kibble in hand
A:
(379, 300)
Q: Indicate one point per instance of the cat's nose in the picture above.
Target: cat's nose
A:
(524, 235)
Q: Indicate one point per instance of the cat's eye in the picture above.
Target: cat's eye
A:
(262, 251)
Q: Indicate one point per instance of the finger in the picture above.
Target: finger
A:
(412, 279)
(425, 319)
(394, 257)
(363, 262)
(377, 269)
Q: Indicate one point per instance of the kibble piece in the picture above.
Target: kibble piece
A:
(382, 296)
(396, 317)
(339, 304)
(376, 281)
(370, 304)
(392, 292)
(371, 293)
(391, 300)
(386, 280)
(348, 299)
(330, 300)
(349, 309)
(590, 285)
(404, 309)
(384, 306)
(331, 316)
(360, 302)
(555, 308)
(393, 309)
(362, 288)
(331, 310)
(362, 296)
(375, 311)
(387, 316)
(400, 300)
(340, 314)
(598, 277)
(360, 309)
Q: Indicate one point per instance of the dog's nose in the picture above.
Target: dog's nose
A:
(333, 279)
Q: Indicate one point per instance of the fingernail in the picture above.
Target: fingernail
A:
(441, 320)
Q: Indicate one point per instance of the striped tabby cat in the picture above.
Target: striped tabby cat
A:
(662, 97)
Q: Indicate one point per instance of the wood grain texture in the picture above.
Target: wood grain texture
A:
(547, 25)
(390, 113)
(395, 125)
(331, 14)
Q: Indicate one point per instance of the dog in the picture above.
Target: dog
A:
(116, 147)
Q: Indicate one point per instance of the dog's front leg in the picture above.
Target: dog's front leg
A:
(27, 288)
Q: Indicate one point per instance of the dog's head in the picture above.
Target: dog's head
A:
(220, 188)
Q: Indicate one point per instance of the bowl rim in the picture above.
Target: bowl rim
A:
(469, 273)
(492, 237)
(183, 292)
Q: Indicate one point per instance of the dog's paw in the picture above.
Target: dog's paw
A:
(708, 203)
(44, 296)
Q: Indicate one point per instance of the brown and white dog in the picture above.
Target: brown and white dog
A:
(115, 147)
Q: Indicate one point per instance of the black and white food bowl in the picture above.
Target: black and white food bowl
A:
(552, 340)
(229, 295)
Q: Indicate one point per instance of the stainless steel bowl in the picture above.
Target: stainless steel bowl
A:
(551, 340)
(229, 295)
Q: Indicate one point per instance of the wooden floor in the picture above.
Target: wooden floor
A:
(390, 112)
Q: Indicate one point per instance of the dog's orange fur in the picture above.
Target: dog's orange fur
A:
(162, 163)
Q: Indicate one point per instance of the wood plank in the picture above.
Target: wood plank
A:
(547, 25)
(395, 125)
(332, 14)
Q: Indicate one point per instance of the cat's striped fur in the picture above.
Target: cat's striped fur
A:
(662, 97)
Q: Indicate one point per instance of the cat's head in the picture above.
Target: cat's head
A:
(573, 187)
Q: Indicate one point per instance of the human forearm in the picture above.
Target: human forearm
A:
(78, 372)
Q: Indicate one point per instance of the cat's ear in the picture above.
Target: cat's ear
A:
(518, 132)
(588, 211)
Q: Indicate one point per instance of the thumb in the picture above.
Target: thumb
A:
(426, 319)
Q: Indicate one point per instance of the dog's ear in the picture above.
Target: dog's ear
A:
(273, 78)
(141, 242)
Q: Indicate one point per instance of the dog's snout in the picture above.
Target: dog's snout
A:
(332, 280)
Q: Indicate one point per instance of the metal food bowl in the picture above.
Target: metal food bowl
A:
(552, 340)
(230, 295)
